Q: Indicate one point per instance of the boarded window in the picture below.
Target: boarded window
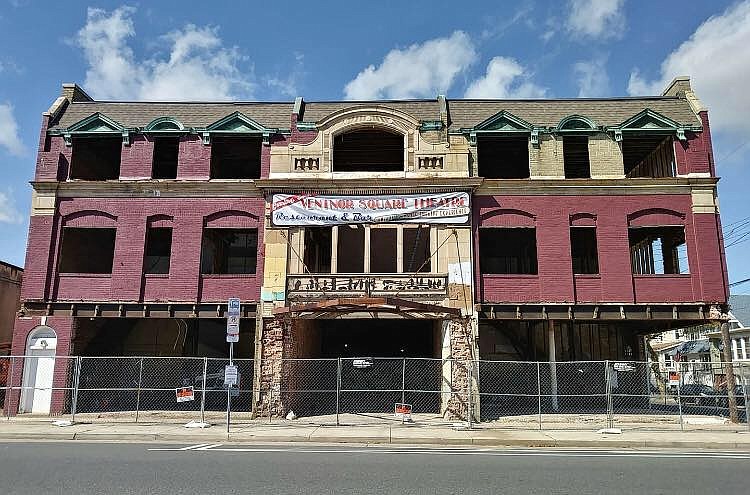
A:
(416, 250)
(87, 250)
(318, 249)
(368, 151)
(576, 157)
(508, 250)
(158, 250)
(350, 253)
(96, 158)
(229, 251)
(648, 156)
(583, 250)
(503, 157)
(166, 150)
(383, 250)
(235, 157)
(658, 250)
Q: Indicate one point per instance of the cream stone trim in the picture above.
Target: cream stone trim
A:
(43, 203)
(704, 200)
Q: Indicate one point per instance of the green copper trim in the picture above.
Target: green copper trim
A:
(166, 125)
(431, 125)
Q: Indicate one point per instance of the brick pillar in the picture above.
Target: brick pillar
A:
(271, 355)
(462, 354)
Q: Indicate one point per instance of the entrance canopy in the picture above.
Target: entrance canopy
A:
(395, 305)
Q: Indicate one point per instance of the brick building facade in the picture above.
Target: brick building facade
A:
(430, 228)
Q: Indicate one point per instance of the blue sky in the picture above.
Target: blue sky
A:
(363, 50)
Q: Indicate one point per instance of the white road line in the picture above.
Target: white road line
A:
(190, 447)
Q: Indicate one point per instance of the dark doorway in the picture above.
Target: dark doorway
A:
(377, 338)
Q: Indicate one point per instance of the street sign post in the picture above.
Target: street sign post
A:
(233, 335)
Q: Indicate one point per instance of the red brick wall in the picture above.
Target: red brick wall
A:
(130, 218)
(615, 283)
(695, 154)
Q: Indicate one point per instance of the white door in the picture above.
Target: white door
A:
(38, 372)
(37, 387)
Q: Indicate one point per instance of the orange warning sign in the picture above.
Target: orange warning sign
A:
(185, 394)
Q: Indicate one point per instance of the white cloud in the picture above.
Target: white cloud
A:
(9, 131)
(198, 66)
(8, 211)
(717, 58)
(421, 70)
(592, 77)
(505, 78)
(596, 18)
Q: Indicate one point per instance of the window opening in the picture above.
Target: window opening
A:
(658, 250)
(416, 250)
(229, 251)
(158, 250)
(368, 151)
(648, 156)
(235, 157)
(350, 253)
(87, 250)
(166, 150)
(576, 157)
(318, 242)
(503, 157)
(383, 249)
(96, 158)
(508, 250)
(583, 250)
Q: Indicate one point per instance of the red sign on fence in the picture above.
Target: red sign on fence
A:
(403, 410)
(185, 394)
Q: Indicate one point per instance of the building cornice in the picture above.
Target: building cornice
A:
(580, 187)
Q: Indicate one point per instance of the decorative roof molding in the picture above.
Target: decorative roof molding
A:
(95, 124)
(237, 123)
(164, 125)
(649, 121)
(576, 124)
(504, 121)
(368, 116)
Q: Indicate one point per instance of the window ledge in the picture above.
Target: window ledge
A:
(85, 275)
(156, 275)
(229, 275)
(662, 275)
(588, 275)
(510, 275)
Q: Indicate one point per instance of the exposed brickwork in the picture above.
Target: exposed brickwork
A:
(457, 408)
(554, 283)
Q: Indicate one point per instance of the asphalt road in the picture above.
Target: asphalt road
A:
(96, 468)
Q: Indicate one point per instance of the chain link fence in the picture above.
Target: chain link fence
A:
(364, 391)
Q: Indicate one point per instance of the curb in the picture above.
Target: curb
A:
(378, 440)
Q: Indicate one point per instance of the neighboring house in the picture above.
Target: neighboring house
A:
(444, 228)
(10, 302)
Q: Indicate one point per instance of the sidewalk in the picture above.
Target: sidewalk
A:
(375, 435)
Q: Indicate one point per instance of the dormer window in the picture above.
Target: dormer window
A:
(96, 158)
(576, 157)
(235, 157)
(368, 150)
(166, 150)
(503, 156)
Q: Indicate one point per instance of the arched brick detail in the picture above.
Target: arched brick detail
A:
(654, 217)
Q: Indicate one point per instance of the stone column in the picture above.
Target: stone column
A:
(463, 353)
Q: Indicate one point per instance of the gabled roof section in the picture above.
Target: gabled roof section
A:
(504, 121)
(237, 123)
(96, 123)
(648, 119)
(739, 306)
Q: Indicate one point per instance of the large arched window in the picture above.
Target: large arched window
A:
(368, 150)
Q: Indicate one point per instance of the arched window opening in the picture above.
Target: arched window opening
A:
(368, 150)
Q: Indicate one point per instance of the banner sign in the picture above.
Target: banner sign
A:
(312, 209)
(185, 394)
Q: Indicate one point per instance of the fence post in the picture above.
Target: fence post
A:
(679, 396)
(203, 395)
(608, 392)
(9, 388)
(76, 382)
(338, 389)
(138, 394)
(403, 386)
(743, 372)
(539, 392)
(471, 399)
